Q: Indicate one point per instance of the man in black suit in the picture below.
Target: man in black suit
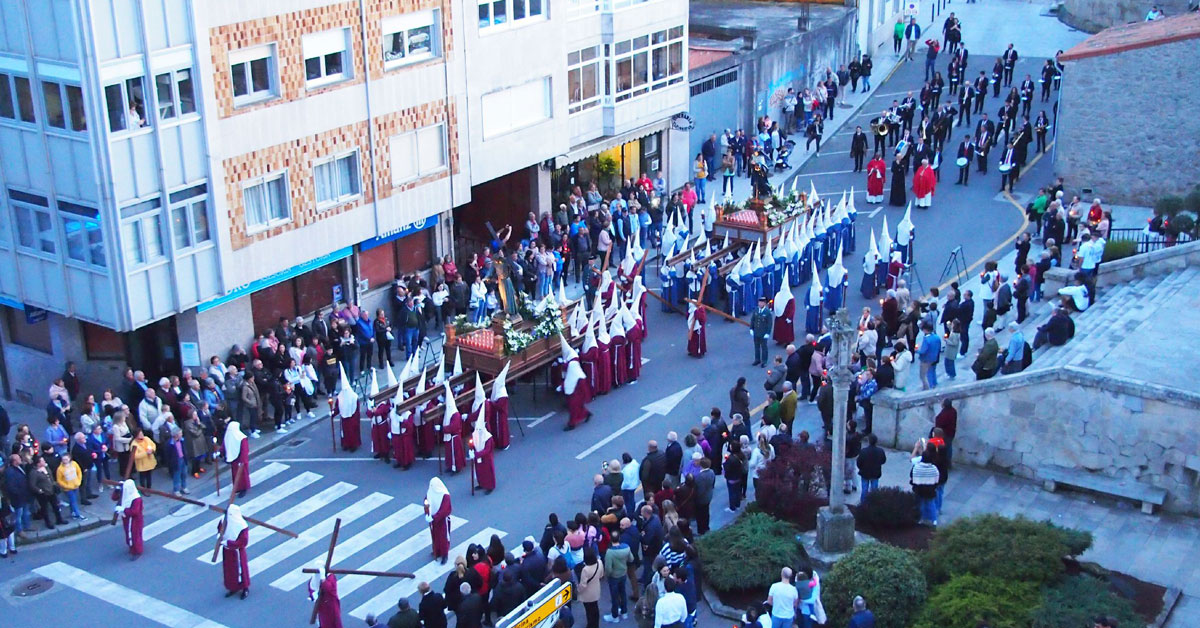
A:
(858, 148)
(966, 100)
(981, 90)
(1026, 92)
(966, 148)
(1010, 61)
(1008, 175)
(966, 312)
(432, 608)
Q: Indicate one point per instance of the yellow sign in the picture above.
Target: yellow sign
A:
(534, 616)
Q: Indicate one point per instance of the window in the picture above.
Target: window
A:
(189, 216)
(253, 74)
(102, 343)
(175, 95)
(16, 98)
(126, 102)
(266, 201)
(648, 62)
(410, 38)
(141, 233)
(35, 224)
(57, 96)
(325, 58)
(85, 239)
(622, 4)
(498, 12)
(583, 78)
(337, 180)
(516, 107)
(418, 153)
(29, 335)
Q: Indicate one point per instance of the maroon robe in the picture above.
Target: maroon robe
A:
(380, 429)
(426, 434)
(603, 382)
(894, 270)
(452, 444)
(619, 349)
(485, 466)
(439, 529)
(697, 344)
(577, 403)
(404, 443)
(240, 468)
(641, 305)
(132, 521)
(235, 564)
(351, 432)
(475, 415)
(329, 606)
(635, 337)
(785, 328)
(498, 423)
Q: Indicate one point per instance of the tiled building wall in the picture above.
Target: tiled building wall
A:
(297, 157)
(377, 10)
(398, 122)
(286, 32)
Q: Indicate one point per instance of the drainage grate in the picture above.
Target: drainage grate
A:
(296, 442)
(32, 587)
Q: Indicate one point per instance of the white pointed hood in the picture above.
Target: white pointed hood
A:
(627, 263)
(577, 319)
(852, 210)
(605, 281)
(235, 523)
(616, 328)
(563, 301)
(725, 241)
(602, 333)
(589, 339)
(795, 185)
(784, 296)
(769, 254)
(421, 385)
(373, 389)
(568, 352)
(639, 289)
(435, 494)
(668, 240)
(129, 492)
(440, 376)
(627, 319)
(389, 376)
(813, 197)
(480, 436)
(347, 399)
(814, 290)
(904, 229)
(480, 396)
(872, 258)
(837, 272)
(756, 264)
(451, 405)
(885, 240)
(233, 441)
(500, 384)
(458, 367)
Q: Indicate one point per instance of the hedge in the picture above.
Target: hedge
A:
(889, 508)
(1077, 600)
(967, 600)
(1010, 550)
(888, 578)
(749, 553)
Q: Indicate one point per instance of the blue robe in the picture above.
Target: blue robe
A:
(818, 249)
(749, 302)
(781, 263)
(758, 287)
(847, 235)
(805, 270)
(835, 296)
(714, 285)
(769, 284)
(794, 270)
(852, 232)
(881, 271)
(733, 288)
(906, 252)
(833, 236)
(812, 318)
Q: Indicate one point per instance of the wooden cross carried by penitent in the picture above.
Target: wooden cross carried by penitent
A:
(337, 528)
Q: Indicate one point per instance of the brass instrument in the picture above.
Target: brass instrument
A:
(879, 127)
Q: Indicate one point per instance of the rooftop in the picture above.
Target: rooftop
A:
(764, 22)
(1136, 35)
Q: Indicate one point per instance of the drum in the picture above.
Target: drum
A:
(962, 162)
(1004, 168)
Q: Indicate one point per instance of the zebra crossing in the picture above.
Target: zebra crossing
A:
(377, 534)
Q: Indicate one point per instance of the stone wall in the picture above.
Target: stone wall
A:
(1128, 141)
(1116, 427)
(1131, 268)
(1096, 15)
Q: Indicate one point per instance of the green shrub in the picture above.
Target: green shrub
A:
(990, 545)
(1119, 249)
(887, 577)
(891, 508)
(748, 553)
(1077, 600)
(967, 600)
(1077, 541)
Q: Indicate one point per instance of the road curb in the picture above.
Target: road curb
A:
(35, 537)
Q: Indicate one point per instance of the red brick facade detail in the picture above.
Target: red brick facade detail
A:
(286, 33)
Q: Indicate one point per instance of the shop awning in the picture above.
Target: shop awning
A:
(599, 145)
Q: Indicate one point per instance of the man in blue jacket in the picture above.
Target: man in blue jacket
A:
(533, 567)
(912, 34)
(929, 354)
(16, 486)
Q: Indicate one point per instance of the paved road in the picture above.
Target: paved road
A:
(305, 486)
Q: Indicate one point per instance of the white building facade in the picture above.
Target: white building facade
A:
(179, 174)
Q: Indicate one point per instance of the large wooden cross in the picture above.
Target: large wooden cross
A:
(196, 502)
(337, 528)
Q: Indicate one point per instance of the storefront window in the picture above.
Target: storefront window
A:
(21, 332)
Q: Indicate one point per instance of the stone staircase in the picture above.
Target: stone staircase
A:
(1116, 317)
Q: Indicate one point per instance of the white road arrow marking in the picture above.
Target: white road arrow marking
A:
(662, 407)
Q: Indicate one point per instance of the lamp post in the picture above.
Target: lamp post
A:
(835, 524)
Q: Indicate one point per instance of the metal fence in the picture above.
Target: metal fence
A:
(1146, 240)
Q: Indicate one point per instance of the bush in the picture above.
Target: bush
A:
(748, 553)
(1077, 541)
(1119, 249)
(1013, 550)
(967, 600)
(792, 487)
(891, 508)
(1077, 600)
(888, 578)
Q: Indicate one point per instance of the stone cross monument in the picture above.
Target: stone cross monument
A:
(835, 524)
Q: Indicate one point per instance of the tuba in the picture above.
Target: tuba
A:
(879, 127)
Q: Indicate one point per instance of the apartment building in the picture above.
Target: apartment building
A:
(177, 174)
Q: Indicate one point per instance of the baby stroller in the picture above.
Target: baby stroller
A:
(781, 155)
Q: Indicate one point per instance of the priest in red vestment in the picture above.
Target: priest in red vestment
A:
(876, 177)
(498, 417)
(452, 434)
(924, 184)
(235, 564)
(129, 504)
(603, 381)
(345, 406)
(575, 387)
(785, 314)
(437, 514)
(619, 352)
(237, 455)
(483, 447)
(324, 591)
(697, 343)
